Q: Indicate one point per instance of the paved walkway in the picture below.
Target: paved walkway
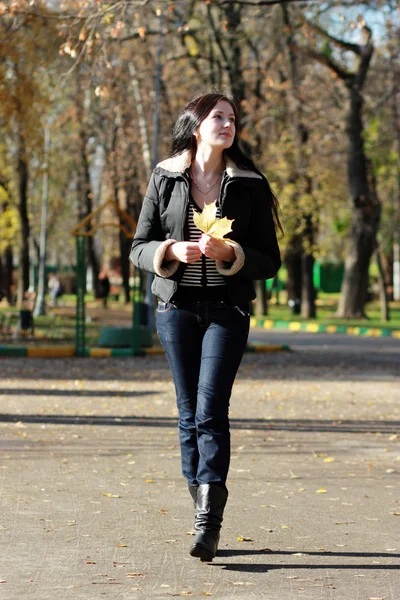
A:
(93, 505)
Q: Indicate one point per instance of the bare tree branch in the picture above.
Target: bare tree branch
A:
(341, 43)
(324, 60)
(217, 36)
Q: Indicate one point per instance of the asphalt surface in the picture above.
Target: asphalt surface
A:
(93, 505)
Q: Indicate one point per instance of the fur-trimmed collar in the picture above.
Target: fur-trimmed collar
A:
(181, 162)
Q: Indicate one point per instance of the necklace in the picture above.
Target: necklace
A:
(210, 185)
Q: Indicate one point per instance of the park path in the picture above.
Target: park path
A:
(93, 505)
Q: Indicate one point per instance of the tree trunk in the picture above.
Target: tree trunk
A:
(23, 173)
(308, 307)
(6, 276)
(365, 217)
(293, 261)
(6, 264)
(261, 303)
(233, 15)
(84, 185)
(383, 295)
(308, 293)
(124, 245)
(302, 291)
(87, 205)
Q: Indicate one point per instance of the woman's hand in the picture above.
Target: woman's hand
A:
(186, 252)
(216, 249)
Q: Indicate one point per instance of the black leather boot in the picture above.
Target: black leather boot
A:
(211, 500)
(193, 492)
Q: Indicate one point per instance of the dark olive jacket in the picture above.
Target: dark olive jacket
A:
(245, 197)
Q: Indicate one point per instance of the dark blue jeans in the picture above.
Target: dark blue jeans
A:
(204, 343)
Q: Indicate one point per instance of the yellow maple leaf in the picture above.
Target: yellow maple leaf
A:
(208, 223)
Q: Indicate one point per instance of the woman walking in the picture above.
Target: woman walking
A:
(204, 286)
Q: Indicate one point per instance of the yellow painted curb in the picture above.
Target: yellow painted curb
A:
(253, 322)
(268, 324)
(295, 326)
(154, 350)
(49, 351)
(374, 332)
(331, 329)
(396, 334)
(312, 327)
(353, 330)
(100, 352)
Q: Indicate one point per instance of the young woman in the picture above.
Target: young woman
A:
(204, 286)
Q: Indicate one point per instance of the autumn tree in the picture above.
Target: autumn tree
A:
(364, 199)
(25, 53)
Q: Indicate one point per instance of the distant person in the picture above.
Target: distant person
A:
(56, 289)
(103, 287)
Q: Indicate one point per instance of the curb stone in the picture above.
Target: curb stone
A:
(315, 328)
(69, 351)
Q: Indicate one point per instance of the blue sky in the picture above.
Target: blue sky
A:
(374, 18)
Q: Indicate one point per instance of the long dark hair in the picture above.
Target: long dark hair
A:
(189, 121)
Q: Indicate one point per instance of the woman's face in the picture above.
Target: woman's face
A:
(218, 128)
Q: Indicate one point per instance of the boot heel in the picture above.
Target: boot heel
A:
(200, 551)
(205, 545)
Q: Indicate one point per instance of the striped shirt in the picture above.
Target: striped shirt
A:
(203, 272)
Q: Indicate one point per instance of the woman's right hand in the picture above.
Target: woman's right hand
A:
(186, 252)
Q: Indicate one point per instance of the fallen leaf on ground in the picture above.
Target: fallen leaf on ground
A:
(111, 495)
(321, 491)
(244, 539)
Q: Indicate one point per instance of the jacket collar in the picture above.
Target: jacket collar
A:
(178, 164)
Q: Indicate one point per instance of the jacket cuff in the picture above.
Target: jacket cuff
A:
(225, 268)
(168, 268)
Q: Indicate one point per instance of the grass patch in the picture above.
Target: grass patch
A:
(326, 309)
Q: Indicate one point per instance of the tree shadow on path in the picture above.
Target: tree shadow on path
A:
(300, 425)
